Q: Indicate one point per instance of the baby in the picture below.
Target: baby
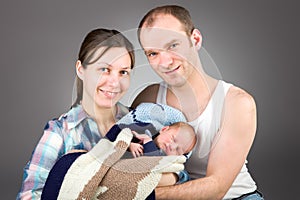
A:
(175, 135)
(176, 139)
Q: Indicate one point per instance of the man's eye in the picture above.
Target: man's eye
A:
(174, 45)
(151, 54)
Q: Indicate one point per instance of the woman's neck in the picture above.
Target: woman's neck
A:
(104, 117)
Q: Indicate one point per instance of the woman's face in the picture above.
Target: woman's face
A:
(106, 80)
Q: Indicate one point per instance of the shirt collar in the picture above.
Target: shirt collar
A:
(77, 114)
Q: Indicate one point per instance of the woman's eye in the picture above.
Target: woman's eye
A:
(104, 69)
(124, 72)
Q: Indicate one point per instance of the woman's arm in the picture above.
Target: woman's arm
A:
(42, 160)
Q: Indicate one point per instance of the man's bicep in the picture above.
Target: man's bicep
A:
(149, 94)
(234, 139)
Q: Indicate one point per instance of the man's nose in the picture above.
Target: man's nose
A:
(166, 59)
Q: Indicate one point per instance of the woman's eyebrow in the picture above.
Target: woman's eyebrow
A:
(126, 67)
(102, 63)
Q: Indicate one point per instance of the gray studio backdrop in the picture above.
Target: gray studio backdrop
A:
(254, 44)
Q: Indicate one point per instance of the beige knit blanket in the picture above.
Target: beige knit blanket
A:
(102, 174)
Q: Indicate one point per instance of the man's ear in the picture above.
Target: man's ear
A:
(79, 69)
(196, 38)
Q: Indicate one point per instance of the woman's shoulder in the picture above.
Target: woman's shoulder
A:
(68, 119)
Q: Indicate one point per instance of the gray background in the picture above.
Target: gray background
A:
(255, 45)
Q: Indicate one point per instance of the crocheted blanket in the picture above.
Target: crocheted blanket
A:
(102, 173)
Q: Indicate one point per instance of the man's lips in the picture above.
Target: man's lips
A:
(173, 70)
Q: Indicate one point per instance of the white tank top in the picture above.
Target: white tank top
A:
(206, 127)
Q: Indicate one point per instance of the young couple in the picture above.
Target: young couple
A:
(222, 115)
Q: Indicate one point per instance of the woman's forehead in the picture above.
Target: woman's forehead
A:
(111, 55)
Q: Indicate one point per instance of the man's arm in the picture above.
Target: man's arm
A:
(228, 154)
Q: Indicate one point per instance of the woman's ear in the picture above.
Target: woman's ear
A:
(79, 69)
(196, 38)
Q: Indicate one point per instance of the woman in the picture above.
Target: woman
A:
(103, 76)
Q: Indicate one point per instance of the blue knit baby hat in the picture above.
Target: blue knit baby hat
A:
(159, 115)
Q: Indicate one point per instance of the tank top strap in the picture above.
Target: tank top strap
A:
(162, 93)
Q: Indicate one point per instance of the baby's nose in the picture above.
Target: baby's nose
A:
(173, 146)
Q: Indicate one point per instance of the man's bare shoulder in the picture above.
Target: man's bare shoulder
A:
(149, 94)
(239, 98)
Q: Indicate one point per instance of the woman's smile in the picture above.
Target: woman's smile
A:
(107, 93)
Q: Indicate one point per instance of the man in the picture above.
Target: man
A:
(223, 115)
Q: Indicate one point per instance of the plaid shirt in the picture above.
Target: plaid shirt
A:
(72, 130)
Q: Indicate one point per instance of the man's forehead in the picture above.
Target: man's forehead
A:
(164, 21)
(152, 31)
(152, 37)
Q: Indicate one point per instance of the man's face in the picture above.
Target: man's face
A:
(169, 50)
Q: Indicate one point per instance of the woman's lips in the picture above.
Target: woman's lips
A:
(108, 94)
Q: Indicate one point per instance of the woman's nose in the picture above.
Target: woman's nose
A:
(113, 79)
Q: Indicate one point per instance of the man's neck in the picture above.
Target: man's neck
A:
(193, 97)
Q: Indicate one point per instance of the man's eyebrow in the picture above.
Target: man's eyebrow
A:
(165, 46)
(148, 51)
(169, 43)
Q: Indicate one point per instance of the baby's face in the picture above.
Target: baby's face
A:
(173, 141)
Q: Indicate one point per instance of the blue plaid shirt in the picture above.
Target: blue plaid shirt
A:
(72, 130)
